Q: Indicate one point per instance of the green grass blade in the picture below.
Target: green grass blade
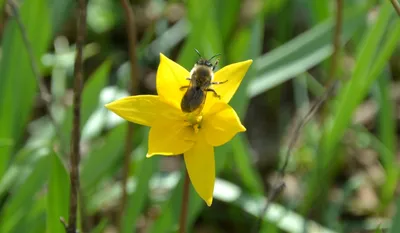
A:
(61, 10)
(300, 54)
(387, 135)
(24, 161)
(90, 99)
(253, 34)
(247, 173)
(91, 93)
(228, 17)
(285, 219)
(102, 158)
(363, 77)
(17, 82)
(101, 227)
(396, 219)
(351, 95)
(137, 199)
(33, 220)
(227, 192)
(57, 196)
(319, 10)
(17, 207)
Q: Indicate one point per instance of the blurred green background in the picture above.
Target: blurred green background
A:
(343, 175)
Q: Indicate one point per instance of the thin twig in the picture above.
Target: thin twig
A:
(44, 92)
(131, 32)
(75, 135)
(279, 183)
(132, 40)
(185, 204)
(396, 6)
(85, 225)
(302, 123)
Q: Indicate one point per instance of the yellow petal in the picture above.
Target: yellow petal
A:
(200, 165)
(170, 78)
(233, 75)
(220, 124)
(170, 137)
(142, 109)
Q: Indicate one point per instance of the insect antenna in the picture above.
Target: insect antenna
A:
(197, 51)
(216, 62)
(216, 55)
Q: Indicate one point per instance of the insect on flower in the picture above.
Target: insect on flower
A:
(201, 79)
(194, 129)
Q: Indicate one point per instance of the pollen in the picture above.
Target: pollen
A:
(194, 121)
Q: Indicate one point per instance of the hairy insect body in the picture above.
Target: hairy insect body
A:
(201, 79)
(196, 93)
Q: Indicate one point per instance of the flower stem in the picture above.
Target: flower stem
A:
(133, 89)
(185, 204)
(75, 135)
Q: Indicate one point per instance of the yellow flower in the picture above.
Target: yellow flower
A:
(174, 132)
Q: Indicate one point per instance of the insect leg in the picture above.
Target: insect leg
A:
(215, 93)
(188, 78)
(217, 83)
(183, 87)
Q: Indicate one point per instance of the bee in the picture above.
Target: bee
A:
(201, 79)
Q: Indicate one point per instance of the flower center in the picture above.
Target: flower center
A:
(194, 121)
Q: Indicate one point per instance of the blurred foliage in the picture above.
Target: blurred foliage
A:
(343, 175)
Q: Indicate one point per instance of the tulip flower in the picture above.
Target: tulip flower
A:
(174, 132)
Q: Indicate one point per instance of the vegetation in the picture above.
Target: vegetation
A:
(343, 168)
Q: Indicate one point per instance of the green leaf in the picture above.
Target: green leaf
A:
(227, 192)
(24, 161)
(367, 69)
(378, 230)
(319, 10)
(17, 83)
(387, 135)
(137, 199)
(57, 196)
(247, 173)
(101, 227)
(396, 219)
(102, 158)
(21, 201)
(90, 100)
(371, 60)
(92, 89)
(61, 10)
(252, 34)
(33, 221)
(285, 219)
(228, 18)
(204, 35)
(300, 54)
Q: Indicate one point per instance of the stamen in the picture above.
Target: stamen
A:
(194, 121)
(196, 128)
